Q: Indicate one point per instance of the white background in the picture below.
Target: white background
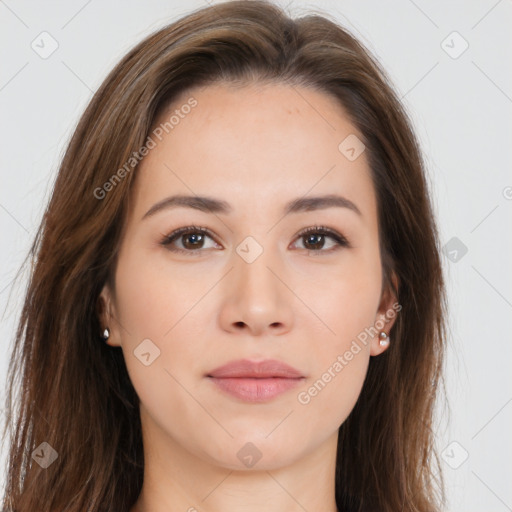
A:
(461, 108)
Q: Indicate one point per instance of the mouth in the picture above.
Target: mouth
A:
(251, 381)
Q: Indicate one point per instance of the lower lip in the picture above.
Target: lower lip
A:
(255, 390)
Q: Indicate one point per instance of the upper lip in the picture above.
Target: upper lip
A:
(267, 368)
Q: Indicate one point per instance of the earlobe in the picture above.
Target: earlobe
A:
(384, 341)
(380, 344)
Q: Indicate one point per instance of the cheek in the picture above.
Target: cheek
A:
(161, 313)
(342, 355)
(153, 297)
(155, 307)
(346, 302)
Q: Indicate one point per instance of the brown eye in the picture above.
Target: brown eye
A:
(314, 239)
(191, 238)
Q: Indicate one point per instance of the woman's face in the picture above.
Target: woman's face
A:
(254, 286)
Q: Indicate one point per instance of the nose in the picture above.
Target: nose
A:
(256, 298)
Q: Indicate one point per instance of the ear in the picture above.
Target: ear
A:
(386, 316)
(107, 316)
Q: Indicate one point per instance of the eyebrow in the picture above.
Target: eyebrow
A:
(212, 205)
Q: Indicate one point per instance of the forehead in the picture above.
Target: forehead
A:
(253, 145)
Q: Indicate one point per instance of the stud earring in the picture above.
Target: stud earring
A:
(106, 334)
(384, 339)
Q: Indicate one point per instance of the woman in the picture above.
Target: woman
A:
(236, 298)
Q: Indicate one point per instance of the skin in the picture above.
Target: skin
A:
(257, 148)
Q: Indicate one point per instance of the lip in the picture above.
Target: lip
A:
(256, 381)
(245, 368)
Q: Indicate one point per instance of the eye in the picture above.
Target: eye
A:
(191, 237)
(315, 237)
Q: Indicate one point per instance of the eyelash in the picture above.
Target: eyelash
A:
(167, 240)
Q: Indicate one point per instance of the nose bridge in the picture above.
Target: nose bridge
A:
(253, 260)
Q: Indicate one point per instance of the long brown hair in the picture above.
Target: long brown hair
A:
(75, 393)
